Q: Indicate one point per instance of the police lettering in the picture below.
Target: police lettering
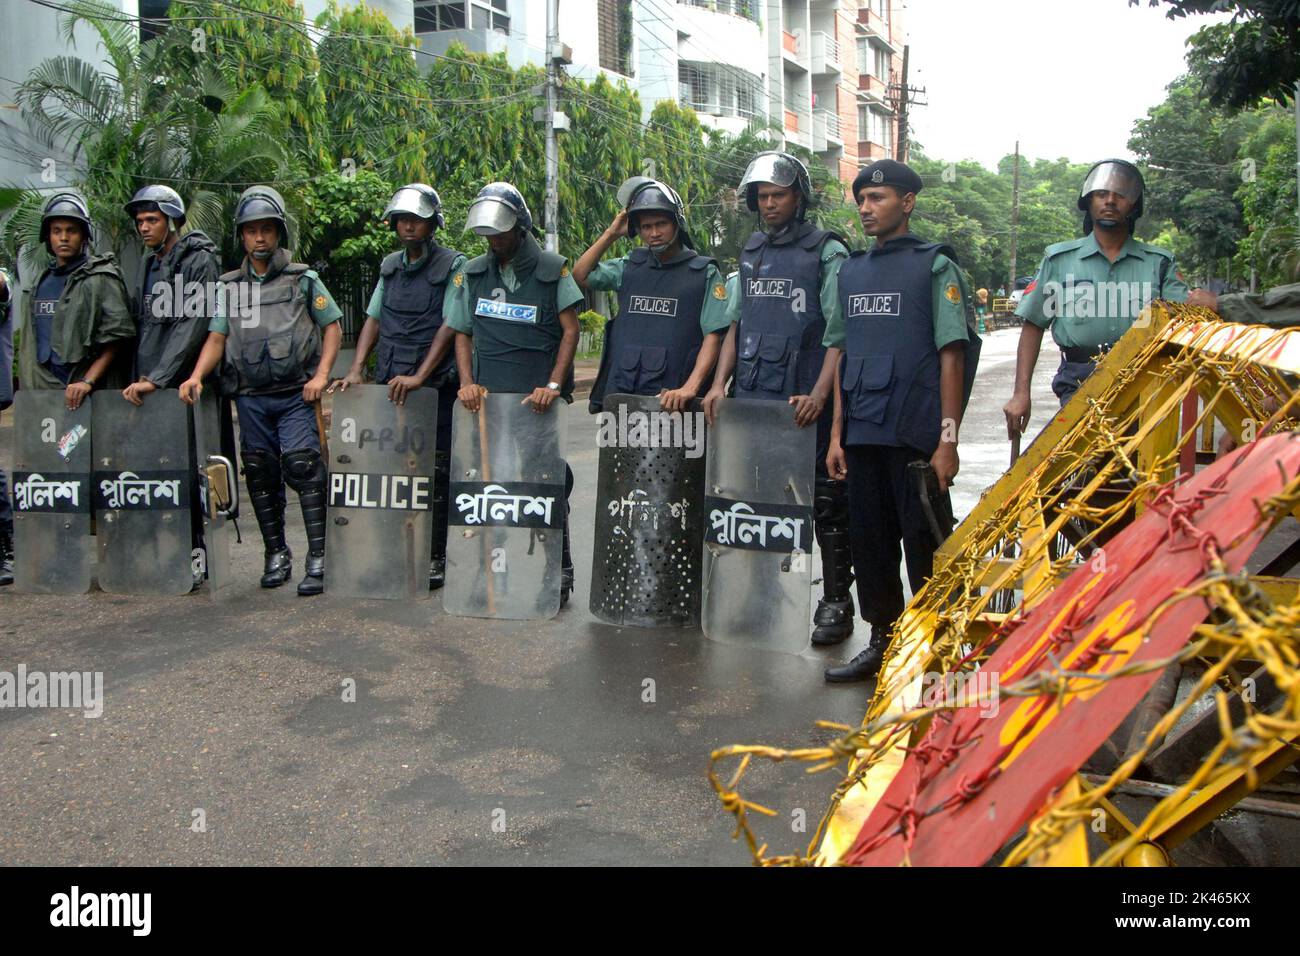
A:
(391, 492)
(394, 439)
(877, 303)
(653, 305)
(770, 288)
(496, 309)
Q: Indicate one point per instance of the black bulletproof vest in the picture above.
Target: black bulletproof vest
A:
(411, 313)
(890, 371)
(516, 334)
(654, 341)
(281, 350)
(779, 349)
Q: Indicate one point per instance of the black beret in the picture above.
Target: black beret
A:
(887, 172)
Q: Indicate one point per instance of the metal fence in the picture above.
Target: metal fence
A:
(351, 284)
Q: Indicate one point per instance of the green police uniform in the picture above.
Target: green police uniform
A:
(1278, 307)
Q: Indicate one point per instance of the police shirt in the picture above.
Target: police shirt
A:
(375, 307)
(1089, 301)
(456, 311)
(715, 315)
(949, 310)
(833, 254)
(320, 303)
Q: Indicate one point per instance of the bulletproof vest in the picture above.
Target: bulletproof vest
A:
(779, 349)
(411, 313)
(49, 290)
(160, 274)
(890, 371)
(147, 283)
(654, 341)
(516, 334)
(282, 349)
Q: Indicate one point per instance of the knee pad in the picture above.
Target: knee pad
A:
(303, 467)
(261, 468)
(831, 503)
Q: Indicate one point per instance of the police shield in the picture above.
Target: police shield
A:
(758, 528)
(51, 494)
(381, 492)
(218, 495)
(506, 510)
(645, 568)
(142, 486)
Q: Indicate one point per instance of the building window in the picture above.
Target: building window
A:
(614, 33)
(876, 127)
(434, 15)
(882, 9)
(882, 64)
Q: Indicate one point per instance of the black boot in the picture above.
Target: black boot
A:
(833, 622)
(566, 567)
(866, 664)
(6, 556)
(262, 473)
(305, 473)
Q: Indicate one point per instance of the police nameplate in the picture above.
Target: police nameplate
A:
(353, 489)
(769, 288)
(51, 493)
(782, 529)
(510, 504)
(864, 305)
(141, 491)
(498, 309)
(653, 305)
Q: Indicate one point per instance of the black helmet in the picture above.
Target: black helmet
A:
(1117, 176)
(158, 198)
(498, 208)
(262, 202)
(66, 204)
(415, 199)
(656, 196)
(779, 169)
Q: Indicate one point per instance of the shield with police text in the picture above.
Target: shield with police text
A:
(506, 510)
(142, 486)
(218, 495)
(758, 526)
(51, 494)
(645, 567)
(381, 491)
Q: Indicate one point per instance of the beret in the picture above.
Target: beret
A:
(888, 172)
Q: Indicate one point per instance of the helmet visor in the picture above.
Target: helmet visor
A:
(1114, 178)
(629, 187)
(490, 217)
(413, 202)
(771, 168)
(258, 207)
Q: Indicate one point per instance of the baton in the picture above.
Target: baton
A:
(320, 430)
(934, 503)
(1015, 447)
(485, 466)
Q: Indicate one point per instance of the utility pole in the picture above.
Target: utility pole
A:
(1015, 217)
(900, 145)
(552, 148)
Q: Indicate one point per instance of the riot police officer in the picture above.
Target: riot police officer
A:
(899, 397)
(503, 355)
(78, 312)
(785, 296)
(278, 332)
(672, 303)
(404, 320)
(1089, 291)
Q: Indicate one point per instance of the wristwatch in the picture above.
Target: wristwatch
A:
(88, 381)
(553, 386)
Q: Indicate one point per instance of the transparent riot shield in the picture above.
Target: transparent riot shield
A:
(51, 493)
(758, 526)
(381, 490)
(142, 486)
(506, 510)
(218, 494)
(645, 567)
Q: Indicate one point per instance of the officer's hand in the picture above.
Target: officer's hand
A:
(1204, 299)
(136, 391)
(710, 403)
(807, 409)
(399, 385)
(1017, 412)
(471, 395)
(675, 399)
(75, 394)
(190, 390)
(315, 387)
(837, 465)
(352, 378)
(540, 399)
(619, 223)
(945, 464)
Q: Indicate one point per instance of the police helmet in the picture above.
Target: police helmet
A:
(415, 199)
(1117, 176)
(66, 204)
(262, 202)
(779, 169)
(158, 198)
(657, 197)
(498, 208)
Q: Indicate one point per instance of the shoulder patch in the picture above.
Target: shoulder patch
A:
(564, 271)
(719, 291)
(319, 302)
(458, 279)
(952, 293)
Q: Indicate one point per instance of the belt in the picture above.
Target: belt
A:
(1082, 354)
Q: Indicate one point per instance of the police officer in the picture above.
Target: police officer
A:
(507, 356)
(672, 303)
(785, 297)
(898, 398)
(177, 268)
(1090, 290)
(6, 399)
(405, 320)
(278, 332)
(80, 327)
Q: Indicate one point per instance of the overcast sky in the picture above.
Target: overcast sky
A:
(1065, 77)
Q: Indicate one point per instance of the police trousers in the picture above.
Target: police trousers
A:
(1069, 376)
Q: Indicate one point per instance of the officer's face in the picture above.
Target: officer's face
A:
(1109, 209)
(777, 204)
(152, 227)
(884, 210)
(66, 239)
(260, 235)
(412, 229)
(504, 244)
(656, 230)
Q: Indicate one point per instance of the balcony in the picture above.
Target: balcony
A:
(745, 9)
(793, 50)
(873, 88)
(869, 152)
(826, 133)
(825, 53)
(791, 122)
(870, 24)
